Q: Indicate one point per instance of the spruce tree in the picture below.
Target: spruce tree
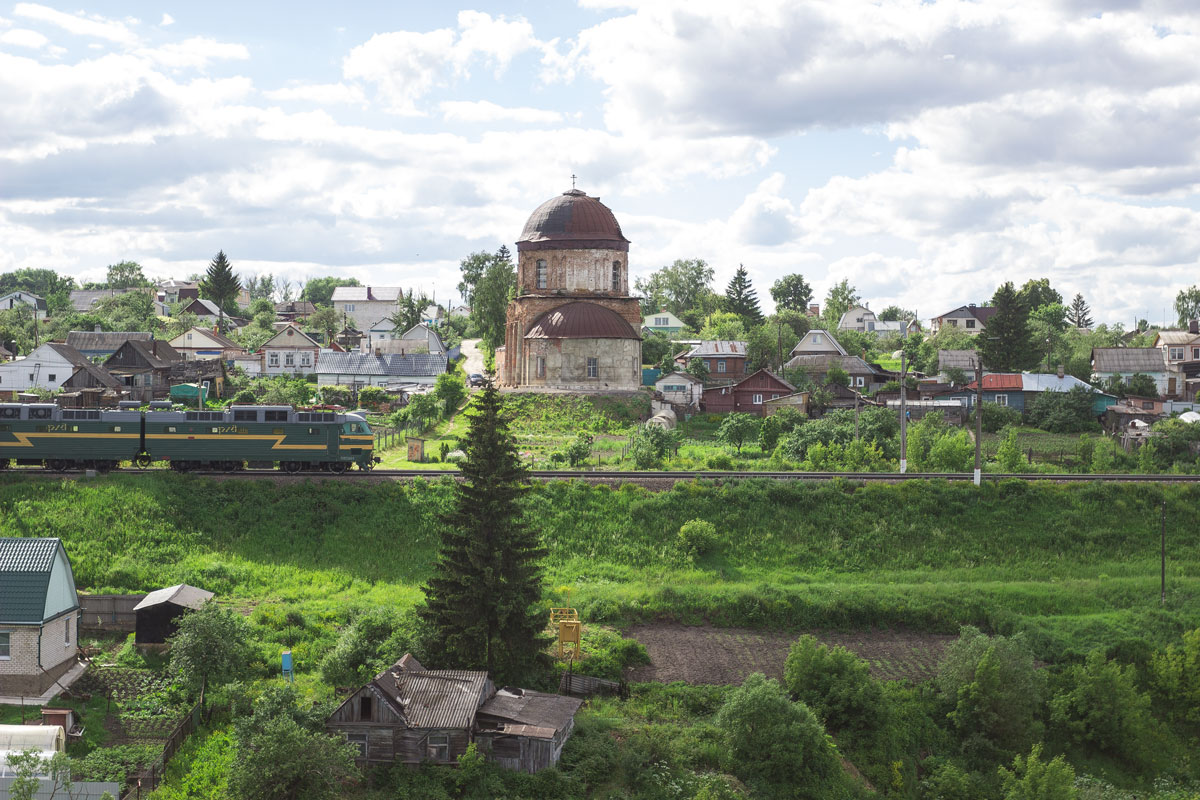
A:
(741, 299)
(484, 598)
(1079, 314)
(1005, 344)
(220, 285)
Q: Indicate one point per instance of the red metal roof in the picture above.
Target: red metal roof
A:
(572, 220)
(581, 321)
(1000, 381)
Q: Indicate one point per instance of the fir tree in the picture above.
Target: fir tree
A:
(1005, 343)
(483, 600)
(220, 285)
(1079, 314)
(741, 299)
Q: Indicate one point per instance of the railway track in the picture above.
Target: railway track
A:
(650, 477)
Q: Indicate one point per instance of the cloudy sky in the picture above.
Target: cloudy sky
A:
(924, 150)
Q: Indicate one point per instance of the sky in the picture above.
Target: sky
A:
(926, 151)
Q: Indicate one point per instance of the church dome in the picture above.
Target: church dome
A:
(572, 220)
(581, 321)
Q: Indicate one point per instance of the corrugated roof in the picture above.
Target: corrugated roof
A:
(580, 321)
(440, 698)
(1176, 337)
(157, 354)
(1128, 360)
(209, 307)
(181, 595)
(219, 338)
(822, 362)
(718, 347)
(999, 381)
(397, 364)
(363, 294)
(69, 353)
(536, 714)
(961, 359)
(1043, 382)
(572, 219)
(25, 566)
(104, 340)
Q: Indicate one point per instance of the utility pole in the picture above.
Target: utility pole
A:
(978, 416)
(903, 413)
(857, 397)
(1162, 533)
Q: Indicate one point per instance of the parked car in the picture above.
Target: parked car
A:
(475, 379)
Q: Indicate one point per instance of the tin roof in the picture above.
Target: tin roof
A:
(1128, 360)
(581, 321)
(104, 340)
(823, 362)
(1176, 338)
(69, 353)
(396, 364)
(530, 713)
(438, 698)
(180, 595)
(1000, 381)
(1043, 382)
(717, 347)
(572, 220)
(25, 566)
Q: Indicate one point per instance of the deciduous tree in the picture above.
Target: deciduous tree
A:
(410, 310)
(490, 296)
(126, 275)
(683, 285)
(212, 646)
(792, 292)
(319, 291)
(838, 301)
(485, 593)
(1187, 305)
(736, 428)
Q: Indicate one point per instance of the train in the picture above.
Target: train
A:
(232, 439)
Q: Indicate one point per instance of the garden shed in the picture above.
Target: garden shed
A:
(157, 615)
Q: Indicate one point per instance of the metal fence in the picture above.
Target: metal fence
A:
(108, 612)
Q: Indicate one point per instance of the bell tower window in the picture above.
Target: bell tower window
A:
(616, 276)
(541, 273)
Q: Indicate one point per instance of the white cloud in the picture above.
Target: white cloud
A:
(22, 37)
(93, 25)
(321, 93)
(167, 19)
(486, 111)
(195, 52)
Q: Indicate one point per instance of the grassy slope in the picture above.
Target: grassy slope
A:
(1075, 565)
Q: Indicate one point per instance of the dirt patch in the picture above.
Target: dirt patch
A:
(704, 654)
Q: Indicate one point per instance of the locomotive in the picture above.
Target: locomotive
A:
(259, 437)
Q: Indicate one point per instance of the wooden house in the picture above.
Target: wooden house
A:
(726, 360)
(47, 367)
(144, 367)
(102, 344)
(290, 352)
(818, 342)
(747, 395)
(864, 377)
(796, 400)
(206, 343)
(408, 714)
(157, 614)
(39, 615)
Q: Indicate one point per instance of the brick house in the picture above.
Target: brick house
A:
(39, 615)
(726, 360)
(747, 395)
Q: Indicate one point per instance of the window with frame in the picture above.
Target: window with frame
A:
(50, 377)
(661, 322)
(1175, 353)
(816, 339)
(275, 416)
(860, 381)
(360, 741)
(541, 367)
(541, 272)
(721, 365)
(616, 276)
(350, 306)
(437, 747)
(67, 632)
(756, 399)
(289, 359)
(637, 368)
(5, 645)
(953, 323)
(1148, 405)
(970, 323)
(593, 367)
(1196, 353)
(1001, 400)
(272, 359)
(306, 359)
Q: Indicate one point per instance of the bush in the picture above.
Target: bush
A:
(1064, 412)
(372, 397)
(696, 538)
(737, 428)
(777, 746)
(650, 446)
(768, 434)
(834, 683)
(579, 450)
(1175, 678)
(720, 461)
(1034, 779)
(372, 642)
(997, 417)
(1101, 707)
(1008, 455)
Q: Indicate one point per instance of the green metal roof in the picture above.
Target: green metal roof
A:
(25, 566)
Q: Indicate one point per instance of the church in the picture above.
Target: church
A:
(573, 324)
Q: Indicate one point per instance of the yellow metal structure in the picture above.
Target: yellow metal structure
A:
(570, 632)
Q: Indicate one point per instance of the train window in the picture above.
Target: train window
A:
(169, 429)
(275, 416)
(245, 415)
(116, 428)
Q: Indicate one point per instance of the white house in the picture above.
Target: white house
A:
(818, 342)
(363, 306)
(681, 389)
(22, 298)
(205, 343)
(39, 611)
(47, 367)
(368, 369)
(663, 322)
(863, 319)
(290, 352)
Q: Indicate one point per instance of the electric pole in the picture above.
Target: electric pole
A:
(978, 416)
(903, 414)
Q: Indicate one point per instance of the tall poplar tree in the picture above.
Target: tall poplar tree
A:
(1006, 344)
(484, 598)
(741, 299)
(220, 285)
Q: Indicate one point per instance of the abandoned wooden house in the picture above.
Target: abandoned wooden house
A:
(409, 714)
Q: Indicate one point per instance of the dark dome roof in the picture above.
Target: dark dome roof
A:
(572, 220)
(581, 321)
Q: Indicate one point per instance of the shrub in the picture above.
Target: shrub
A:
(372, 642)
(1175, 678)
(372, 397)
(696, 537)
(945, 781)
(952, 452)
(579, 450)
(778, 746)
(1064, 412)
(768, 434)
(736, 428)
(1008, 455)
(1034, 779)
(721, 461)
(1101, 707)
(834, 683)
(650, 446)
(997, 417)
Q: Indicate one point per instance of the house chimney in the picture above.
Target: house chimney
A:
(1194, 326)
(378, 352)
(97, 329)
(1062, 371)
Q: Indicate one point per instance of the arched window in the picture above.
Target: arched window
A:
(616, 276)
(541, 273)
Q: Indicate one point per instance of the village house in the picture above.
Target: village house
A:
(410, 715)
(363, 306)
(290, 352)
(818, 342)
(39, 615)
(29, 300)
(292, 310)
(92, 376)
(1019, 390)
(747, 395)
(1125, 362)
(85, 300)
(144, 367)
(726, 360)
(662, 322)
(204, 343)
(170, 292)
(420, 338)
(368, 369)
(863, 320)
(796, 400)
(969, 318)
(681, 389)
(102, 344)
(1181, 356)
(863, 376)
(965, 360)
(47, 367)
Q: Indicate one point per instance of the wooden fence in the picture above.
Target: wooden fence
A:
(148, 779)
(586, 685)
(386, 437)
(108, 612)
